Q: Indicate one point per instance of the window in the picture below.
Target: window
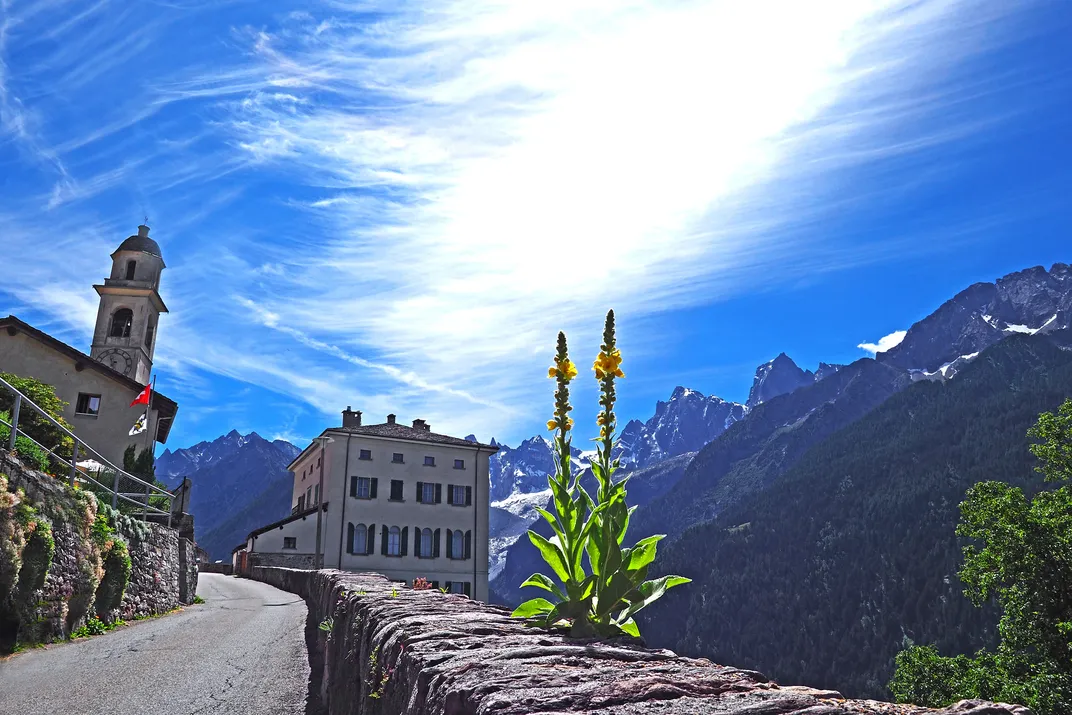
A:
(318, 461)
(290, 542)
(122, 321)
(131, 266)
(428, 493)
(396, 490)
(363, 487)
(424, 550)
(316, 494)
(396, 458)
(394, 541)
(366, 454)
(301, 503)
(359, 541)
(457, 544)
(459, 464)
(429, 461)
(87, 404)
(460, 496)
(459, 587)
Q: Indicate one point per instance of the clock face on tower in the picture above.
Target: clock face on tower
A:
(118, 360)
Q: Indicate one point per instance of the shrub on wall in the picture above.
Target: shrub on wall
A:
(115, 559)
(26, 551)
(44, 396)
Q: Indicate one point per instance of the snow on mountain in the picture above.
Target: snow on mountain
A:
(1029, 301)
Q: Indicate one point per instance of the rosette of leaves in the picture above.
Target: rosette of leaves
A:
(601, 586)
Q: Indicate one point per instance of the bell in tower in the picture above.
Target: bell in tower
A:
(124, 337)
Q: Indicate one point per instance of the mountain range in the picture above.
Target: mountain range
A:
(782, 497)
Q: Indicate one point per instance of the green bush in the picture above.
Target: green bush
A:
(93, 627)
(44, 396)
(30, 454)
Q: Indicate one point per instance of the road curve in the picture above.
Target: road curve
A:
(243, 651)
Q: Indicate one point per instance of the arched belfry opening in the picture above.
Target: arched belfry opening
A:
(122, 322)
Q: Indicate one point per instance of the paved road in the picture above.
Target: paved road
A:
(243, 651)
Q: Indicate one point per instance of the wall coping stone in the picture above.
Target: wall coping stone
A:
(395, 650)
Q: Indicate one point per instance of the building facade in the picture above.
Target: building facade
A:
(100, 386)
(397, 500)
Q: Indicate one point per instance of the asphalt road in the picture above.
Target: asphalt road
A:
(243, 651)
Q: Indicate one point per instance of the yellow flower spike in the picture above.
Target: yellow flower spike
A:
(552, 372)
(567, 370)
(569, 423)
(551, 424)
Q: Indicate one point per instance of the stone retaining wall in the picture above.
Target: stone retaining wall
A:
(215, 568)
(394, 650)
(163, 565)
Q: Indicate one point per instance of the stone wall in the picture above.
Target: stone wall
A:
(215, 568)
(394, 650)
(71, 591)
(290, 561)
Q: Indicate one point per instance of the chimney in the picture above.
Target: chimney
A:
(143, 231)
(421, 425)
(390, 419)
(351, 418)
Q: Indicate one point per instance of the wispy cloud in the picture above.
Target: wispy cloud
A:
(424, 193)
(885, 343)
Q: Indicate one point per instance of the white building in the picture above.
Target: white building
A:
(397, 500)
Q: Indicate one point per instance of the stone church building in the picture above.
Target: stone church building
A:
(100, 386)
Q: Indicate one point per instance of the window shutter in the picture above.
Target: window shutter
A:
(468, 496)
(353, 486)
(446, 585)
(435, 543)
(405, 539)
(438, 493)
(383, 541)
(372, 488)
(450, 494)
(468, 589)
(370, 540)
(416, 541)
(420, 488)
(350, 538)
(469, 544)
(450, 554)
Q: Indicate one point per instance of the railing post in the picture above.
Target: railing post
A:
(14, 423)
(74, 461)
(115, 491)
(145, 514)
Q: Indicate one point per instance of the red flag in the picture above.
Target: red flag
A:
(143, 398)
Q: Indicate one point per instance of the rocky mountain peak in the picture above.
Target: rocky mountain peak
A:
(777, 377)
(1028, 301)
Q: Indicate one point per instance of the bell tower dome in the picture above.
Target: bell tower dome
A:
(124, 337)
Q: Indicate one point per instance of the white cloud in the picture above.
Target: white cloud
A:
(885, 343)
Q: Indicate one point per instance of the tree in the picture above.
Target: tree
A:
(1021, 555)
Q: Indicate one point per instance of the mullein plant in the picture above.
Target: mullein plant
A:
(602, 584)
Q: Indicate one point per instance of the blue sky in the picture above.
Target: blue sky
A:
(397, 205)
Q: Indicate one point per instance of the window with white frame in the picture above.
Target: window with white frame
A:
(360, 542)
(457, 495)
(364, 488)
(394, 541)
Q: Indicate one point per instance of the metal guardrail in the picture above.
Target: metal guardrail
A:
(104, 470)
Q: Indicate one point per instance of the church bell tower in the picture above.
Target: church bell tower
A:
(130, 306)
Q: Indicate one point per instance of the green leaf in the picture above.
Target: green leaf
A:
(539, 580)
(552, 553)
(643, 552)
(652, 592)
(532, 608)
(630, 627)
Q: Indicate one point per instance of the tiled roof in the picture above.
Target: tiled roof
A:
(397, 431)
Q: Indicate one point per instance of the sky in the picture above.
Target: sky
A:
(396, 205)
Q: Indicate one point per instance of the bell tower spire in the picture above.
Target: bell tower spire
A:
(124, 337)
